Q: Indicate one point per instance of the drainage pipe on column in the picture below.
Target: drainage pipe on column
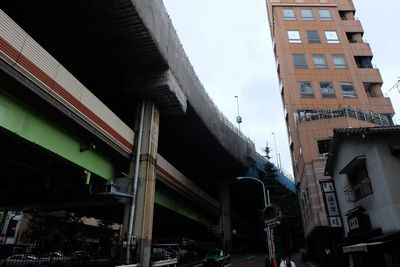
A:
(135, 183)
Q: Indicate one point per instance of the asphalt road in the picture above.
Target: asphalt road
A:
(257, 260)
(248, 260)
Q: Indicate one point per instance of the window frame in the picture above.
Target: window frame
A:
(307, 18)
(358, 178)
(310, 38)
(305, 94)
(289, 18)
(341, 84)
(325, 18)
(319, 66)
(327, 94)
(330, 40)
(360, 184)
(294, 41)
(339, 66)
(303, 59)
(327, 146)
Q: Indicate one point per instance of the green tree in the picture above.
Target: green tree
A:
(53, 228)
(289, 233)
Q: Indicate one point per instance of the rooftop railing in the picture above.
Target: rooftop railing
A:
(358, 114)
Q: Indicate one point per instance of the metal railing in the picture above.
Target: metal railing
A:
(72, 256)
(222, 117)
(283, 176)
(311, 115)
(169, 262)
(165, 263)
(349, 193)
(353, 193)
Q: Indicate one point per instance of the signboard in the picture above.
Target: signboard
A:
(335, 221)
(272, 214)
(331, 204)
(358, 221)
(328, 187)
(353, 223)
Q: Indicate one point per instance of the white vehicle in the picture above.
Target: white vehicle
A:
(159, 253)
(55, 258)
(174, 248)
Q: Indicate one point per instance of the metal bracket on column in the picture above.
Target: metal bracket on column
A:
(148, 157)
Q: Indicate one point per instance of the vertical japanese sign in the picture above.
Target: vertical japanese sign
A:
(331, 204)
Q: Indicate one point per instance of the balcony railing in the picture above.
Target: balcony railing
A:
(353, 193)
(358, 114)
(365, 65)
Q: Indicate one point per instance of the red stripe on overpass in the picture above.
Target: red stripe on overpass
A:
(14, 54)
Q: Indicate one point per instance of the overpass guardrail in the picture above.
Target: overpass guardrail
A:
(224, 119)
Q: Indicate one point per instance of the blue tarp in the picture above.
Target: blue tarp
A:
(281, 177)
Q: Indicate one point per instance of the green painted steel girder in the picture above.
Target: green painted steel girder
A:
(183, 207)
(29, 125)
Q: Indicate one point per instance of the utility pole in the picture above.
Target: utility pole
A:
(276, 152)
(238, 118)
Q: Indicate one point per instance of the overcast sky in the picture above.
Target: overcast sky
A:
(228, 43)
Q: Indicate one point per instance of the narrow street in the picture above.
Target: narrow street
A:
(258, 260)
(248, 260)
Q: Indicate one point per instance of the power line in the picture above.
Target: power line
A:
(396, 85)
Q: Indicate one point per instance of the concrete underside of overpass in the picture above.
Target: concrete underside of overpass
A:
(122, 53)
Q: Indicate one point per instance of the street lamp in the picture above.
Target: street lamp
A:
(276, 151)
(266, 196)
(270, 231)
(238, 118)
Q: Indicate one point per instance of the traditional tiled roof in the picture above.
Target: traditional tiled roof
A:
(339, 133)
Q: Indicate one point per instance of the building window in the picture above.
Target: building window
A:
(327, 89)
(294, 37)
(305, 89)
(320, 62)
(288, 14)
(331, 37)
(324, 14)
(300, 61)
(348, 90)
(313, 37)
(306, 14)
(359, 182)
(339, 61)
(323, 146)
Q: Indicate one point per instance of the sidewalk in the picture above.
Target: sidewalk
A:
(296, 258)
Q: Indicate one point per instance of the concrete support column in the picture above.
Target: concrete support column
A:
(225, 216)
(143, 225)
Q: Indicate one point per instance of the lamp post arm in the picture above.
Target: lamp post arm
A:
(265, 198)
(266, 195)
